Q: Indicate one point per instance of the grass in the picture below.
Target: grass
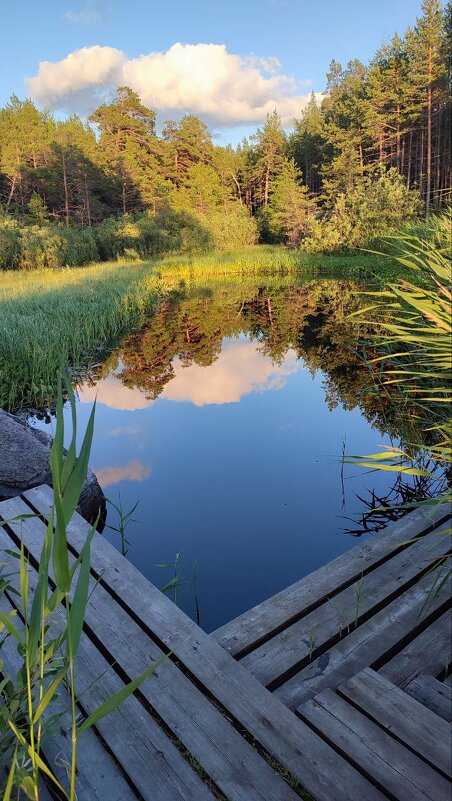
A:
(68, 318)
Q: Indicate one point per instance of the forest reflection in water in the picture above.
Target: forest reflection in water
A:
(226, 416)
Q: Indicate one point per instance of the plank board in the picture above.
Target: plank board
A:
(153, 764)
(267, 618)
(384, 631)
(434, 694)
(383, 759)
(417, 727)
(287, 739)
(429, 652)
(333, 620)
(237, 769)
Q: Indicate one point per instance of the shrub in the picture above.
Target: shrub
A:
(230, 229)
(9, 243)
(377, 205)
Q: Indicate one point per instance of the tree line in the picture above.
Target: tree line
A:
(371, 154)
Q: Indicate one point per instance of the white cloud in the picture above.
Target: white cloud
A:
(223, 88)
(80, 80)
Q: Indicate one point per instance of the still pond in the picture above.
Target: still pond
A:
(225, 417)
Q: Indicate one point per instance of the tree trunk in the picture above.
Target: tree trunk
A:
(429, 152)
(66, 195)
(410, 152)
(11, 191)
(88, 207)
(398, 138)
(267, 186)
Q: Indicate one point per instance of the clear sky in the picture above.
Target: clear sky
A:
(269, 53)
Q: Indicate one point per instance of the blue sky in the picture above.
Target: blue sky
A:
(231, 87)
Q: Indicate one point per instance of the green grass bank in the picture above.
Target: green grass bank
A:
(66, 318)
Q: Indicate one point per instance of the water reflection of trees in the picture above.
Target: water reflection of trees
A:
(312, 318)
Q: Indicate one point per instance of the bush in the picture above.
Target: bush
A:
(9, 243)
(376, 206)
(231, 229)
(132, 236)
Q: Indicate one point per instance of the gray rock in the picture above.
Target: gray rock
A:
(24, 463)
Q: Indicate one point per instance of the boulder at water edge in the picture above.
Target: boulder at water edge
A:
(24, 463)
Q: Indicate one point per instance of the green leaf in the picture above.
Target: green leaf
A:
(112, 703)
(80, 599)
(5, 620)
(10, 781)
(34, 755)
(69, 461)
(49, 694)
(77, 478)
(60, 549)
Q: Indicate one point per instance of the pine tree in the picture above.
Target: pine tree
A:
(307, 144)
(188, 142)
(127, 133)
(344, 113)
(291, 210)
(427, 70)
(270, 153)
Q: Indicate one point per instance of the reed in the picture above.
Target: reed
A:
(47, 626)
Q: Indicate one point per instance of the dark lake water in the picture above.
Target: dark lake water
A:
(225, 416)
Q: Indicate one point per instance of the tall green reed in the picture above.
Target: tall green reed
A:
(47, 652)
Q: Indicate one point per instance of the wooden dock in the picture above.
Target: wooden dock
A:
(336, 687)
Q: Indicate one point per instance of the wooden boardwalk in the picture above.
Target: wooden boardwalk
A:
(289, 707)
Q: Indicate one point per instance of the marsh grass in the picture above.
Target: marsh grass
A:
(70, 318)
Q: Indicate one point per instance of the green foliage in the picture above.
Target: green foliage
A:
(413, 346)
(392, 117)
(37, 208)
(136, 236)
(10, 244)
(290, 210)
(377, 205)
(231, 229)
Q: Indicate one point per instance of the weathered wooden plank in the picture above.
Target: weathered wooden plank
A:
(384, 760)
(98, 776)
(433, 694)
(287, 739)
(258, 623)
(384, 631)
(336, 617)
(153, 764)
(429, 652)
(448, 681)
(405, 718)
(233, 764)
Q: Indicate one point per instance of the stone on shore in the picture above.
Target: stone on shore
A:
(24, 463)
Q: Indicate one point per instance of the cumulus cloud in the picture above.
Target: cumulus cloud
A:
(225, 89)
(79, 81)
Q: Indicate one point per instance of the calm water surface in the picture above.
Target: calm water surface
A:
(225, 417)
